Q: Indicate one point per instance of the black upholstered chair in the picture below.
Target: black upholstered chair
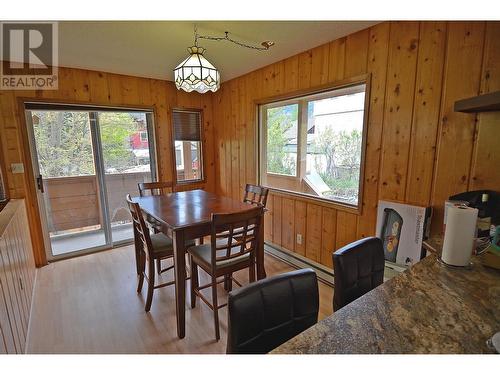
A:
(267, 313)
(357, 268)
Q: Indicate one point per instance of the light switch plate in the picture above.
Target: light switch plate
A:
(17, 167)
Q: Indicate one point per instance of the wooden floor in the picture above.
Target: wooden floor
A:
(89, 304)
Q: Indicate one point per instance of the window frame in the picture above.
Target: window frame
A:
(202, 149)
(297, 97)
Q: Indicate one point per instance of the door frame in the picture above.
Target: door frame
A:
(37, 209)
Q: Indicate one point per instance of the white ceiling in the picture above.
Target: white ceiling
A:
(154, 48)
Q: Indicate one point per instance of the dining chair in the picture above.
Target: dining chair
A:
(155, 188)
(232, 247)
(269, 312)
(255, 195)
(357, 268)
(149, 248)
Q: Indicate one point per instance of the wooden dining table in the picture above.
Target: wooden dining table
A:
(185, 216)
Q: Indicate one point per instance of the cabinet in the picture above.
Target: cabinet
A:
(17, 277)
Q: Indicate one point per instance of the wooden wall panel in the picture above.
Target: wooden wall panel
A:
(356, 53)
(377, 66)
(486, 163)
(300, 226)
(418, 70)
(288, 224)
(336, 60)
(346, 229)
(100, 88)
(320, 57)
(426, 112)
(313, 230)
(277, 219)
(329, 225)
(462, 77)
(400, 89)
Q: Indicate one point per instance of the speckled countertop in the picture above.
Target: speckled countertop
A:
(430, 308)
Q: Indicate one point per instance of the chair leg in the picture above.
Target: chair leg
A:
(216, 307)
(140, 271)
(158, 266)
(151, 284)
(251, 270)
(194, 281)
(228, 282)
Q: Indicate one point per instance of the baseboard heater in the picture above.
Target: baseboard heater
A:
(324, 273)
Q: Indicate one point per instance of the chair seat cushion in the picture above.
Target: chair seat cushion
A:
(203, 253)
(163, 245)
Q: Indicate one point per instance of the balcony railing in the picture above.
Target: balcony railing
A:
(74, 203)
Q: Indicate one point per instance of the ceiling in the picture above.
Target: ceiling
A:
(154, 48)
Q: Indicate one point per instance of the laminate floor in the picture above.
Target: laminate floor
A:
(89, 304)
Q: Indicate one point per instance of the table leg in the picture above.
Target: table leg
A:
(180, 281)
(261, 271)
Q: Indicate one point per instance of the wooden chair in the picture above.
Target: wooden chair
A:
(155, 188)
(234, 239)
(149, 248)
(256, 195)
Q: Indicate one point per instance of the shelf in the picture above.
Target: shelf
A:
(482, 103)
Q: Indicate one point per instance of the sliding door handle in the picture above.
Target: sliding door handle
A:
(39, 183)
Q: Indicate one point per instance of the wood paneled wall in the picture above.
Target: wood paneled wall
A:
(82, 86)
(17, 278)
(418, 151)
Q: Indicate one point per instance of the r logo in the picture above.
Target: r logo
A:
(28, 50)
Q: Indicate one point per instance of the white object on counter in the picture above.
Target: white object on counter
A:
(459, 235)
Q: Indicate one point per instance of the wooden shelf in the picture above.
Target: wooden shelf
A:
(482, 103)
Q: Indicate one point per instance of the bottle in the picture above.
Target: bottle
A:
(483, 217)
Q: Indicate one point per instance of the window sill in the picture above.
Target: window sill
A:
(317, 200)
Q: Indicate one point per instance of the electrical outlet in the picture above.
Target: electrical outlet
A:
(17, 167)
(299, 239)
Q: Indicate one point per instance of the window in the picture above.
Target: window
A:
(144, 136)
(313, 145)
(188, 145)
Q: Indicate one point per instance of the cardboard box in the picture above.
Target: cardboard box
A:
(402, 229)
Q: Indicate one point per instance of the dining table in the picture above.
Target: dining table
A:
(185, 216)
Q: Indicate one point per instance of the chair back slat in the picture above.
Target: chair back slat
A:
(234, 235)
(141, 230)
(155, 188)
(256, 195)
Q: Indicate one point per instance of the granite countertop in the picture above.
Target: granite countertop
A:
(429, 308)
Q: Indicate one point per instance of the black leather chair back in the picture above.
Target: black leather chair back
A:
(358, 268)
(269, 312)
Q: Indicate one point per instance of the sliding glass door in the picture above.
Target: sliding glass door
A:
(85, 162)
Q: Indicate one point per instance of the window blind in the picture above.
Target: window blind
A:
(187, 126)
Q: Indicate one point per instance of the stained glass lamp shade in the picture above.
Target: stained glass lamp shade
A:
(196, 73)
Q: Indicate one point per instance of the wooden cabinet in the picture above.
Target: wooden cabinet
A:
(17, 277)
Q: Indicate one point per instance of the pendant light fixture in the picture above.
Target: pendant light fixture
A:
(196, 73)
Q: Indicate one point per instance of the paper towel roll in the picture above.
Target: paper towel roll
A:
(459, 235)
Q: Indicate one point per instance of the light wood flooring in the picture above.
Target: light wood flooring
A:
(89, 304)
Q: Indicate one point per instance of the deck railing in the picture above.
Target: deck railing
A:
(74, 203)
